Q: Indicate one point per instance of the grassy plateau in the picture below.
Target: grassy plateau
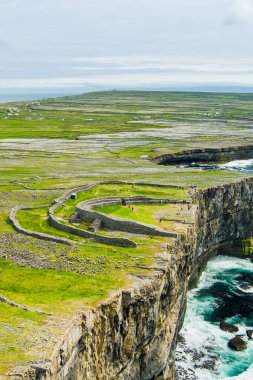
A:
(52, 145)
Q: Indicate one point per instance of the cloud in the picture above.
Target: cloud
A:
(4, 45)
(9, 3)
(140, 73)
(160, 63)
(239, 11)
(124, 42)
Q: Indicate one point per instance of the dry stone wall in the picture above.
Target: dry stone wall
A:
(129, 226)
(84, 211)
(16, 225)
(126, 226)
(120, 242)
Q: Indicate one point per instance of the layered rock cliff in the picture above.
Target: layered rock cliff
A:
(206, 155)
(132, 335)
(225, 217)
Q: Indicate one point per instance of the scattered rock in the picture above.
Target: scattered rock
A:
(228, 327)
(249, 334)
(237, 343)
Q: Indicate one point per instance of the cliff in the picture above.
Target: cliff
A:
(132, 335)
(206, 155)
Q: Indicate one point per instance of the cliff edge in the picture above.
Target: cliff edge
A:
(133, 334)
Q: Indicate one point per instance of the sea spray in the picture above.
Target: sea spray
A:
(203, 351)
(244, 166)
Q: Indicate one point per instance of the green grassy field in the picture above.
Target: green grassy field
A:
(120, 190)
(158, 215)
(52, 145)
(70, 117)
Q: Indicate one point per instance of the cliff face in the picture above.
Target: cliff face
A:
(132, 336)
(225, 216)
(206, 155)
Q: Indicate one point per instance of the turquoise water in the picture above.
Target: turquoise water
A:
(244, 166)
(203, 353)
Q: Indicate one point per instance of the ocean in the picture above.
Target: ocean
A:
(244, 166)
(202, 351)
(29, 96)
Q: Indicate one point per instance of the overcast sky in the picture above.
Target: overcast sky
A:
(83, 44)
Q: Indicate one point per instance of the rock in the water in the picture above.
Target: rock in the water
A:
(237, 343)
(228, 327)
(249, 334)
(246, 288)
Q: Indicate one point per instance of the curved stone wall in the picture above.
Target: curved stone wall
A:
(120, 242)
(84, 211)
(128, 226)
(105, 239)
(62, 199)
(16, 225)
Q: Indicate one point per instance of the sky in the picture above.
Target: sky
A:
(79, 45)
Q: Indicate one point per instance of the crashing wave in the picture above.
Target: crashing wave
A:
(238, 165)
(245, 166)
(202, 351)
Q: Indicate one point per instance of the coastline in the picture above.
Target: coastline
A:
(162, 300)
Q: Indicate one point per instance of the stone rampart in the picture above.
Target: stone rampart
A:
(16, 225)
(112, 223)
(84, 211)
(62, 199)
(120, 242)
(128, 226)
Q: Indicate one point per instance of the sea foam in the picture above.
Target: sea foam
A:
(203, 352)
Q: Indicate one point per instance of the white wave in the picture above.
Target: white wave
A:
(206, 340)
(249, 290)
(238, 164)
(220, 263)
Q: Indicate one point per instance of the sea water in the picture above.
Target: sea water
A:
(30, 96)
(245, 166)
(203, 352)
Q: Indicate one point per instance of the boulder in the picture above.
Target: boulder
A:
(249, 334)
(237, 343)
(246, 288)
(228, 327)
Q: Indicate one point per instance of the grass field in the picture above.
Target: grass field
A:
(120, 190)
(52, 145)
(161, 216)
